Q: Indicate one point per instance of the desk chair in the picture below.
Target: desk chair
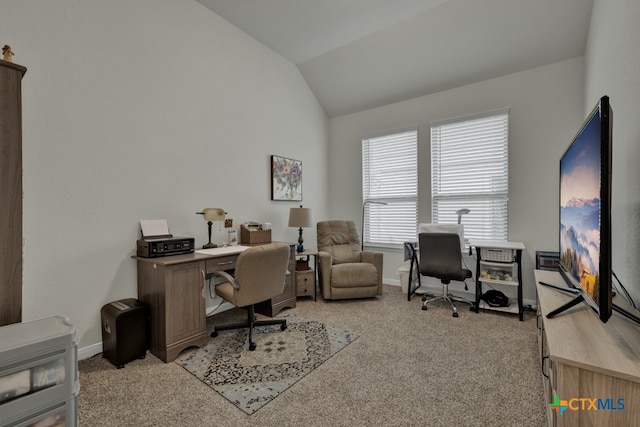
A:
(441, 257)
(259, 275)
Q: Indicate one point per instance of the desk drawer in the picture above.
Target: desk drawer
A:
(221, 263)
(305, 282)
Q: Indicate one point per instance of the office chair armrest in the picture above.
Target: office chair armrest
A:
(229, 279)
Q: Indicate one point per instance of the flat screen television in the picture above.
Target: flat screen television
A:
(585, 213)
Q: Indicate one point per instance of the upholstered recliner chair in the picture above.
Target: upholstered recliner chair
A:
(344, 271)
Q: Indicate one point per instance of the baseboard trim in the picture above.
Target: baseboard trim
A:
(89, 351)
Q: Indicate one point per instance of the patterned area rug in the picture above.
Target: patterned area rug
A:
(251, 379)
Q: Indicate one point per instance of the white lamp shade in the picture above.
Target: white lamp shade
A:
(300, 217)
(213, 214)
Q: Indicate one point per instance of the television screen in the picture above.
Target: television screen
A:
(585, 206)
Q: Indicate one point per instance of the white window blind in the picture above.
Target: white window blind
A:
(390, 188)
(469, 169)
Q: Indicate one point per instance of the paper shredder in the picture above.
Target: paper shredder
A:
(125, 331)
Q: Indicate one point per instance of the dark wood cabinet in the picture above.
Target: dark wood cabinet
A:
(173, 290)
(11, 192)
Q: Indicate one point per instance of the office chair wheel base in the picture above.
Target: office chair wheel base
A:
(424, 298)
(424, 307)
(283, 327)
(214, 334)
(252, 346)
(455, 314)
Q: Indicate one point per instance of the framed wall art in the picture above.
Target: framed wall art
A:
(286, 179)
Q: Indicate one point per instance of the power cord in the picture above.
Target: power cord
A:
(624, 290)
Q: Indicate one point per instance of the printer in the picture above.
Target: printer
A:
(153, 245)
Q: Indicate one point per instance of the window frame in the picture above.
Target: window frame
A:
(374, 199)
(490, 221)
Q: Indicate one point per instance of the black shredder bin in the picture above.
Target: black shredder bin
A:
(125, 331)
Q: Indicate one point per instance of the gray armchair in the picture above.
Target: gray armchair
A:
(344, 271)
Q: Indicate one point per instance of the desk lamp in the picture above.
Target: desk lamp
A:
(210, 215)
(300, 217)
(461, 212)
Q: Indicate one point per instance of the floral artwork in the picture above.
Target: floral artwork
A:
(286, 179)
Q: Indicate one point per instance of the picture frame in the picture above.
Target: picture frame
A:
(286, 179)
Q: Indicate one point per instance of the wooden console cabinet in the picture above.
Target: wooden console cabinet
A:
(585, 361)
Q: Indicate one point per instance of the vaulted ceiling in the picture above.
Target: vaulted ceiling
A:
(359, 54)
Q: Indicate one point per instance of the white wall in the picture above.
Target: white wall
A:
(144, 109)
(613, 68)
(546, 109)
(118, 93)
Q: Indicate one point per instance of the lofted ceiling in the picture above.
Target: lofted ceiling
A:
(360, 54)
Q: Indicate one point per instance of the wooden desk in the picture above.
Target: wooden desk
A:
(173, 286)
(582, 357)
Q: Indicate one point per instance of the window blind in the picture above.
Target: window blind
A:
(390, 188)
(469, 169)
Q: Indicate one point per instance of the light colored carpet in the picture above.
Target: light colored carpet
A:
(251, 379)
(408, 367)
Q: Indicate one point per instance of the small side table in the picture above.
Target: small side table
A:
(306, 282)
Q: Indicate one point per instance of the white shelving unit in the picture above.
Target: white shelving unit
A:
(39, 380)
(499, 267)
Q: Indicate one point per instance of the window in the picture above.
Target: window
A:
(469, 170)
(390, 188)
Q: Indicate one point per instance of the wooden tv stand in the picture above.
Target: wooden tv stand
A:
(584, 360)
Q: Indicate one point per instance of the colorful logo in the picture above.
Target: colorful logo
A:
(558, 405)
(586, 404)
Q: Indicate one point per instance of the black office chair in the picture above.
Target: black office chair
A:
(441, 257)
